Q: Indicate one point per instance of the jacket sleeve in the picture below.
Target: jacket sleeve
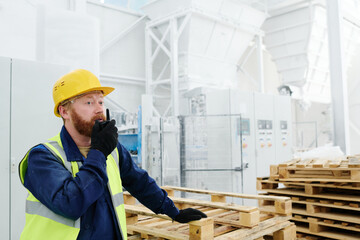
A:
(144, 188)
(53, 185)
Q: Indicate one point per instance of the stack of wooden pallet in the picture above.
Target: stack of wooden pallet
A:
(225, 220)
(325, 195)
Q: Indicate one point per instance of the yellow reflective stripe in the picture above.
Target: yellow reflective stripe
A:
(38, 208)
(23, 166)
(41, 228)
(31, 197)
(120, 211)
(75, 168)
(114, 175)
(115, 188)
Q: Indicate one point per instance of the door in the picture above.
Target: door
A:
(32, 122)
(5, 65)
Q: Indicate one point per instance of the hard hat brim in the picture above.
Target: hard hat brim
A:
(105, 90)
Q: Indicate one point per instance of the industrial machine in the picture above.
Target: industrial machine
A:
(230, 137)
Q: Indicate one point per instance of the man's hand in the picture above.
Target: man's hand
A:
(189, 214)
(104, 137)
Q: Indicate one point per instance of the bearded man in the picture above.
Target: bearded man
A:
(75, 179)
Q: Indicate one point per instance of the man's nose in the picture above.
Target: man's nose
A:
(99, 107)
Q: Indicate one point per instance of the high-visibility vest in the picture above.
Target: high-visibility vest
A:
(44, 224)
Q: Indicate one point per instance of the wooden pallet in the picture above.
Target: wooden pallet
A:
(309, 187)
(329, 234)
(324, 209)
(348, 169)
(225, 220)
(336, 221)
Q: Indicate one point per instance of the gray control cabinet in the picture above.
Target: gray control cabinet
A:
(27, 119)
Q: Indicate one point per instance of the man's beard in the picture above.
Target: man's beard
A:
(82, 126)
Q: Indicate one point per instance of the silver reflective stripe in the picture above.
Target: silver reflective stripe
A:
(118, 199)
(61, 152)
(39, 209)
(77, 223)
(79, 164)
(114, 154)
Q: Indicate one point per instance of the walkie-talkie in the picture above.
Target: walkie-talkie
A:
(103, 123)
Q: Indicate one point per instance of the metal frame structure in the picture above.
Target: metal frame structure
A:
(174, 27)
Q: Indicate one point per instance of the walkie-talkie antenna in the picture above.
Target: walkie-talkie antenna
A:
(107, 115)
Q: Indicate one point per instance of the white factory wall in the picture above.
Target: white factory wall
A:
(353, 74)
(47, 32)
(34, 31)
(127, 56)
(249, 79)
(18, 30)
(125, 59)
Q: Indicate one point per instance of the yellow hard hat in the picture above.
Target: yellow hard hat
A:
(75, 83)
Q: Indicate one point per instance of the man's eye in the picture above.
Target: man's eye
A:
(88, 103)
(101, 103)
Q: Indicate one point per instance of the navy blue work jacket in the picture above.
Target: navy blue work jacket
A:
(87, 195)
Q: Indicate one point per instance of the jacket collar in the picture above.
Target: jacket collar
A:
(71, 150)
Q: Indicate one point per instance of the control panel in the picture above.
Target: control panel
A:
(264, 133)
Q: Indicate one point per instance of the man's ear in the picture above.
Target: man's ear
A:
(64, 112)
